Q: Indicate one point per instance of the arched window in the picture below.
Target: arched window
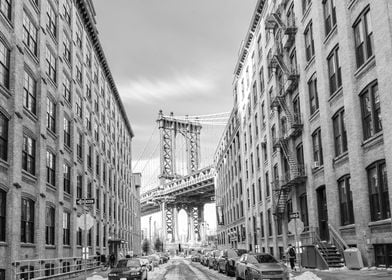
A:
(27, 221)
(378, 191)
(346, 201)
(371, 110)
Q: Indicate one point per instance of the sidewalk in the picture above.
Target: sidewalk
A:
(342, 274)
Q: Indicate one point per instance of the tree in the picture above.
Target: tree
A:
(158, 244)
(146, 246)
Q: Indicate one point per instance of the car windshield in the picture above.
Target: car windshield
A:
(128, 263)
(265, 258)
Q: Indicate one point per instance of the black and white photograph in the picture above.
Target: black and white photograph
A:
(195, 139)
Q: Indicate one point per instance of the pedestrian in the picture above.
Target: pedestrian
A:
(112, 260)
(291, 253)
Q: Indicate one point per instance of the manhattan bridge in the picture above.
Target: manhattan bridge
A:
(182, 178)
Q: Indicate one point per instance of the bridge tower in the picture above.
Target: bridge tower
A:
(170, 128)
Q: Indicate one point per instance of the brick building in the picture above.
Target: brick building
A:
(64, 135)
(311, 89)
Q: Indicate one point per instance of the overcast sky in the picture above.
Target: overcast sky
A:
(174, 55)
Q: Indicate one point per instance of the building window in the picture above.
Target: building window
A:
(29, 93)
(269, 218)
(79, 186)
(89, 190)
(78, 33)
(267, 187)
(52, 20)
(378, 191)
(67, 11)
(29, 34)
(79, 237)
(50, 65)
(340, 134)
(363, 34)
(89, 237)
(383, 255)
(3, 137)
(78, 70)
(97, 235)
(27, 221)
(88, 121)
(67, 132)
(90, 157)
(4, 65)
(66, 228)
(346, 201)
(26, 272)
(5, 8)
(334, 71)
(67, 89)
(329, 15)
(79, 111)
(67, 178)
(371, 110)
(305, 5)
(49, 225)
(97, 165)
(303, 204)
(67, 49)
(317, 148)
(28, 154)
(51, 115)
(50, 168)
(79, 145)
(3, 204)
(309, 42)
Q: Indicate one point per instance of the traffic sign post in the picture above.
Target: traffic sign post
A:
(296, 226)
(84, 202)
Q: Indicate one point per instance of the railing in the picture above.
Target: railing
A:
(39, 269)
(336, 239)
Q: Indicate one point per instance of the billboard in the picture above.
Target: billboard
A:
(219, 215)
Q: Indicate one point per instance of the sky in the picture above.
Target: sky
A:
(174, 55)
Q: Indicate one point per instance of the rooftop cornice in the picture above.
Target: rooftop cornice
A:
(87, 12)
(249, 37)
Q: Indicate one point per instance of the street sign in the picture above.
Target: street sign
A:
(294, 215)
(295, 224)
(85, 201)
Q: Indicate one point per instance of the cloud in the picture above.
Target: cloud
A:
(148, 90)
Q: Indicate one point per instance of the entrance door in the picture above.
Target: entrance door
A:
(322, 213)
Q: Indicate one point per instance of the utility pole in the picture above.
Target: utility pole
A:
(149, 224)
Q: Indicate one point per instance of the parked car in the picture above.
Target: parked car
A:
(260, 266)
(154, 260)
(164, 258)
(212, 258)
(148, 263)
(227, 260)
(195, 257)
(129, 269)
(204, 258)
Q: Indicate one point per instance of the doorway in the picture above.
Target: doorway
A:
(322, 213)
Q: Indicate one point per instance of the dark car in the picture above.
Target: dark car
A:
(164, 257)
(212, 258)
(260, 266)
(129, 269)
(227, 259)
(195, 257)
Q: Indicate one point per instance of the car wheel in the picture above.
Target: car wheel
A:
(227, 270)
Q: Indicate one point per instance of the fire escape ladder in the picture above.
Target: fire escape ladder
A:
(283, 194)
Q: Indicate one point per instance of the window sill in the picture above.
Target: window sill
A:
(67, 246)
(3, 244)
(306, 13)
(27, 245)
(32, 55)
(380, 222)
(68, 103)
(29, 176)
(351, 3)
(68, 149)
(317, 170)
(335, 95)
(331, 34)
(7, 21)
(347, 227)
(30, 115)
(51, 133)
(53, 83)
(51, 187)
(340, 158)
(374, 140)
(50, 246)
(67, 62)
(368, 65)
(52, 36)
(5, 91)
(310, 62)
(315, 115)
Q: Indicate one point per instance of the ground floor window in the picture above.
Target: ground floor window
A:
(2, 274)
(383, 255)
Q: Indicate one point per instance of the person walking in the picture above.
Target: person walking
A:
(291, 253)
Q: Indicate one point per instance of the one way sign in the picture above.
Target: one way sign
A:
(85, 201)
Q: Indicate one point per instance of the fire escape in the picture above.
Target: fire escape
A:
(287, 79)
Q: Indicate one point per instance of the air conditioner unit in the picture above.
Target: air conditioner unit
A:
(316, 164)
